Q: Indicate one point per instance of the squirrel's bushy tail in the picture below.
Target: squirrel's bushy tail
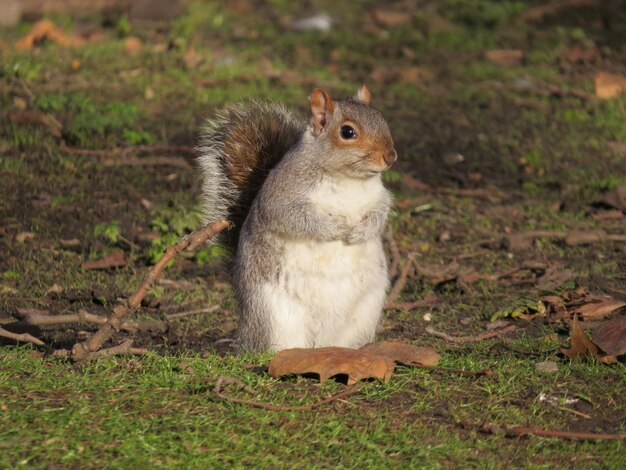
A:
(237, 150)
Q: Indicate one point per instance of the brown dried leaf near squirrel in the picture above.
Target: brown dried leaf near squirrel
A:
(309, 207)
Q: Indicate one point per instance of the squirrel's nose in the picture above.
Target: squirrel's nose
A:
(390, 156)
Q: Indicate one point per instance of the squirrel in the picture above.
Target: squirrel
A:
(309, 207)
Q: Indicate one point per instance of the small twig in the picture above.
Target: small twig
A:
(470, 339)
(394, 251)
(21, 337)
(123, 348)
(82, 317)
(178, 162)
(400, 283)
(408, 306)
(124, 151)
(211, 309)
(268, 406)
(536, 431)
(576, 412)
(82, 351)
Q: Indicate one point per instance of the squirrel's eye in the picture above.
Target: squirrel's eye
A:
(347, 132)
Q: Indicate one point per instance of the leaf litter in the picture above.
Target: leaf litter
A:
(374, 360)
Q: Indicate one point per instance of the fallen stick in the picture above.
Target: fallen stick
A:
(536, 431)
(122, 348)
(211, 309)
(408, 306)
(268, 406)
(116, 318)
(470, 339)
(129, 150)
(394, 251)
(82, 317)
(21, 337)
(177, 162)
(400, 283)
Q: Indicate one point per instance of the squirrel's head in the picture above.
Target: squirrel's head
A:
(357, 136)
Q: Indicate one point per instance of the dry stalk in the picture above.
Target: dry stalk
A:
(116, 318)
(470, 339)
(536, 431)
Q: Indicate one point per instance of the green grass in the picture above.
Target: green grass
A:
(549, 152)
(152, 410)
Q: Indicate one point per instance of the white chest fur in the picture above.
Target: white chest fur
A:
(330, 293)
(349, 197)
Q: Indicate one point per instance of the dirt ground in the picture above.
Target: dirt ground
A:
(510, 124)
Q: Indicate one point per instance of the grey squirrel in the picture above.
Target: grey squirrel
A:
(309, 207)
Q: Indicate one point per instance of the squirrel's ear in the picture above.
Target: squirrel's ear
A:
(322, 108)
(364, 95)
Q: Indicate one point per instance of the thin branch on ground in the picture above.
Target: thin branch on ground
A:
(125, 151)
(210, 309)
(400, 282)
(122, 348)
(116, 318)
(516, 431)
(177, 162)
(470, 339)
(82, 317)
(222, 379)
(394, 251)
(427, 301)
(21, 337)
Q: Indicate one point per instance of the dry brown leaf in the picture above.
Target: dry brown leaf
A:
(403, 353)
(133, 45)
(504, 56)
(581, 344)
(598, 307)
(554, 277)
(46, 29)
(391, 18)
(616, 198)
(328, 362)
(611, 336)
(609, 85)
(115, 259)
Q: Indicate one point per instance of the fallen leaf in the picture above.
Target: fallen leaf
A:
(33, 117)
(581, 345)
(23, 236)
(616, 198)
(403, 353)
(115, 259)
(46, 29)
(54, 289)
(611, 337)
(329, 362)
(598, 307)
(504, 56)
(554, 277)
(391, 18)
(133, 45)
(609, 85)
(581, 55)
(525, 308)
